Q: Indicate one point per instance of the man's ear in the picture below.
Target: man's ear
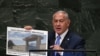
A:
(68, 22)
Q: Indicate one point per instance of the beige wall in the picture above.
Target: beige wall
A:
(19, 48)
(23, 47)
(43, 46)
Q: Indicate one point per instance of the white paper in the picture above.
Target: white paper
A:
(20, 41)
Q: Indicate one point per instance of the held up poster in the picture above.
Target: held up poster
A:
(20, 41)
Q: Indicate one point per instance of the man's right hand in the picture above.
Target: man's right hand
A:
(28, 27)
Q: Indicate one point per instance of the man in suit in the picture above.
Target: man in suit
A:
(67, 39)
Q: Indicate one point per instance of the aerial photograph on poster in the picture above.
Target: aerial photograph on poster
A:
(20, 41)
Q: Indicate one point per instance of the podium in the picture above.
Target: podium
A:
(88, 51)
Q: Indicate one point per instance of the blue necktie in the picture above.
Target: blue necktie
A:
(57, 43)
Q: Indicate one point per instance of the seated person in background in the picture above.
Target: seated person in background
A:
(62, 38)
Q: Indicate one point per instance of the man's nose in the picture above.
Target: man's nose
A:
(58, 23)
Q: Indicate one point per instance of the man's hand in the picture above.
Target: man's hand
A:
(56, 47)
(28, 27)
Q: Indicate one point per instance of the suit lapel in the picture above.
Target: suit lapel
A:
(65, 41)
(53, 38)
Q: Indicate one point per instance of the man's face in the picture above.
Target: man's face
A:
(60, 23)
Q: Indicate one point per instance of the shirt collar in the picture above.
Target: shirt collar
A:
(63, 34)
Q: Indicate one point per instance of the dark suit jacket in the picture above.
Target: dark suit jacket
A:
(70, 41)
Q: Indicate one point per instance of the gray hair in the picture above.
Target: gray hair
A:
(61, 11)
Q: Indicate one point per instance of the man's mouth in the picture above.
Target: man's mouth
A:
(58, 29)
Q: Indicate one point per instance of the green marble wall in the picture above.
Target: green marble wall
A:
(84, 15)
